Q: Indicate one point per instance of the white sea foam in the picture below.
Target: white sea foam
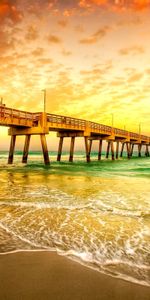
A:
(92, 215)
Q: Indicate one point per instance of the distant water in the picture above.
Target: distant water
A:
(97, 213)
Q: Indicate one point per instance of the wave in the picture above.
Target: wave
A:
(77, 206)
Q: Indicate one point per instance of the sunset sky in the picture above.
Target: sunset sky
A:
(92, 57)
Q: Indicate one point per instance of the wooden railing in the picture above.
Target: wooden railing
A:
(81, 124)
(66, 122)
(100, 127)
(73, 122)
(6, 112)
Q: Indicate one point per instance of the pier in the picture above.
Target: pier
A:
(22, 123)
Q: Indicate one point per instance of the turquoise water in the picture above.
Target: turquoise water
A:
(97, 213)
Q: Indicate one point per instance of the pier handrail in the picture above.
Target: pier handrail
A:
(66, 121)
(59, 119)
(11, 112)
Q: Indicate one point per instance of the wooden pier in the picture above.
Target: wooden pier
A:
(28, 124)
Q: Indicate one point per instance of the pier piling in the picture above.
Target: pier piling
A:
(139, 150)
(12, 148)
(117, 150)
(112, 151)
(128, 145)
(108, 148)
(72, 148)
(90, 146)
(100, 149)
(60, 148)
(45, 149)
(122, 148)
(26, 149)
(132, 149)
(146, 151)
(87, 149)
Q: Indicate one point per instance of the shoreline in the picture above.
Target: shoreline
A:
(78, 261)
(44, 274)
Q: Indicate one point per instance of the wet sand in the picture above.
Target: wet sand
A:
(48, 276)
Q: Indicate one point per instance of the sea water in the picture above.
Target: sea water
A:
(96, 213)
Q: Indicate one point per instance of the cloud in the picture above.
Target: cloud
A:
(148, 71)
(63, 23)
(32, 33)
(66, 52)
(54, 39)
(89, 3)
(38, 52)
(135, 50)
(118, 4)
(45, 61)
(135, 77)
(141, 4)
(10, 16)
(95, 37)
(6, 42)
(9, 11)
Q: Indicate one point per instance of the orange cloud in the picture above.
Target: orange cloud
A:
(94, 38)
(135, 77)
(54, 39)
(8, 10)
(141, 4)
(62, 23)
(135, 4)
(38, 52)
(32, 33)
(88, 3)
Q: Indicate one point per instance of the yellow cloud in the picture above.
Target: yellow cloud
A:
(134, 50)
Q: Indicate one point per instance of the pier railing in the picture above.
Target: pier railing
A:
(10, 117)
(63, 120)
(94, 127)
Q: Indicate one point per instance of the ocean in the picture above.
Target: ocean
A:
(97, 214)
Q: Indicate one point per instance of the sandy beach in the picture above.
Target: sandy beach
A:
(46, 275)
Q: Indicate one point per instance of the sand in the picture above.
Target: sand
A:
(49, 276)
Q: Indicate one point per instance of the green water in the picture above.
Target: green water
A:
(97, 213)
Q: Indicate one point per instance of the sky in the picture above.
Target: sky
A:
(91, 56)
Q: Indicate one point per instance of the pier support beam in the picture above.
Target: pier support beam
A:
(87, 149)
(45, 149)
(60, 148)
(12, 148)
(112, 151)
(72, 149)
(128, 150)
(122, 148)
(26, 149)
(108, 148)
(90, 146)
(132, 149)
(100, 149)
(117, 150)
(146, 151)
(139, 150)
